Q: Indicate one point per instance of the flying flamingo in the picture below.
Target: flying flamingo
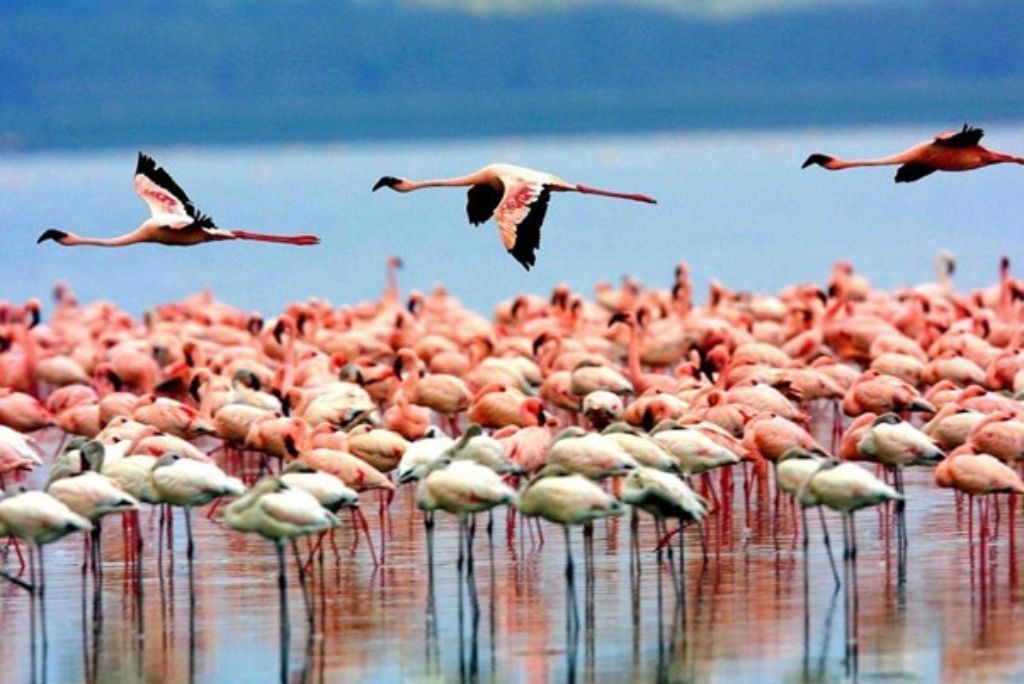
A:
(174, 219)
(948, 151)
(516, 197)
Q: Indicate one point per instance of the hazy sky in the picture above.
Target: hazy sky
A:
(707, 7)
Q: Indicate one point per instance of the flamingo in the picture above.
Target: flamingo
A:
(567, 499)
(39, 519)
(663, 495)
(979, 474)
(174, 219)
(280, 513)
(846, 488)
(183, 482)
(641, 447)
(92, 496)
(516, 197)
(792, 471)
(420, 455)
(956, 150)
(462, 488)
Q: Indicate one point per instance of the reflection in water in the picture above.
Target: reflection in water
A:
(764, 607)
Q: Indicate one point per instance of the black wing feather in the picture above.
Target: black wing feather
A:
(968, 136)
(908, 173)
(481, 201)
(147, 167)
(528, 232)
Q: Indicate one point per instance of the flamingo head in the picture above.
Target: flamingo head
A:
(56, 235)
(396, 184)
(822, 160)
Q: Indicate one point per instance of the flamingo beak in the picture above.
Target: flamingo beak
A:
(55, 235)
(819, 159)
(386, 182)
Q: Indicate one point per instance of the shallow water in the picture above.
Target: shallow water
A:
(957, 616)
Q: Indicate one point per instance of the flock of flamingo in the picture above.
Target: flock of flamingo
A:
(564, 408)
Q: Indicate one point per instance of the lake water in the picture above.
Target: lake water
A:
(735, 205)
(738, 208)
(745, 618)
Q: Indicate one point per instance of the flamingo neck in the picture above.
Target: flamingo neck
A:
(72, 240)
(836, 163)
(458, 182)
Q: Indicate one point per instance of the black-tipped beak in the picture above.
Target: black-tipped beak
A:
(278, 331)
(819, 159)
(36, 317)
(617, 317)
(55, 235)
(385, 182)
(396, 367)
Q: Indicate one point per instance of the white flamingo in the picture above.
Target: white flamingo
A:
(174, 219)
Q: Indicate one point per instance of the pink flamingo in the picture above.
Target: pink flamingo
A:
(948, 151)
(516, 197)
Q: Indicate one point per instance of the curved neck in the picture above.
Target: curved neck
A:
(460, 181)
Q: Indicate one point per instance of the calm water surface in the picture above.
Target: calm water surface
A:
(957, 617)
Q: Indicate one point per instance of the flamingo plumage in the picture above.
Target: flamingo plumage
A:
(956, 150)
(515, 196)
(174, 220)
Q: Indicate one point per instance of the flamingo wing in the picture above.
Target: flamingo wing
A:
(968, 136)
(519, 216)
(908, 173)
(481, 201)
(164, 197)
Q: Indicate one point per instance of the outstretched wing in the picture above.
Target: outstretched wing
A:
(481, 201)
(908, 173)
(519, 216)
(968, 136)
(163, 196)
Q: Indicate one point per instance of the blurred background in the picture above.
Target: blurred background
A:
(278, 115)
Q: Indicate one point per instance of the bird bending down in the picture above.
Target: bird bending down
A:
(516, 197)
(948, 151)
(174, 218)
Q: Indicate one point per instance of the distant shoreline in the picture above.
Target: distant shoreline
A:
(461, 116)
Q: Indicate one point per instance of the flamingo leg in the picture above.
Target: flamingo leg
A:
(282, 586)
(366, 532)
(570, 581)
(306, 598)
(828, 546)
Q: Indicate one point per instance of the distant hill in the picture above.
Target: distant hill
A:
(81, 73)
